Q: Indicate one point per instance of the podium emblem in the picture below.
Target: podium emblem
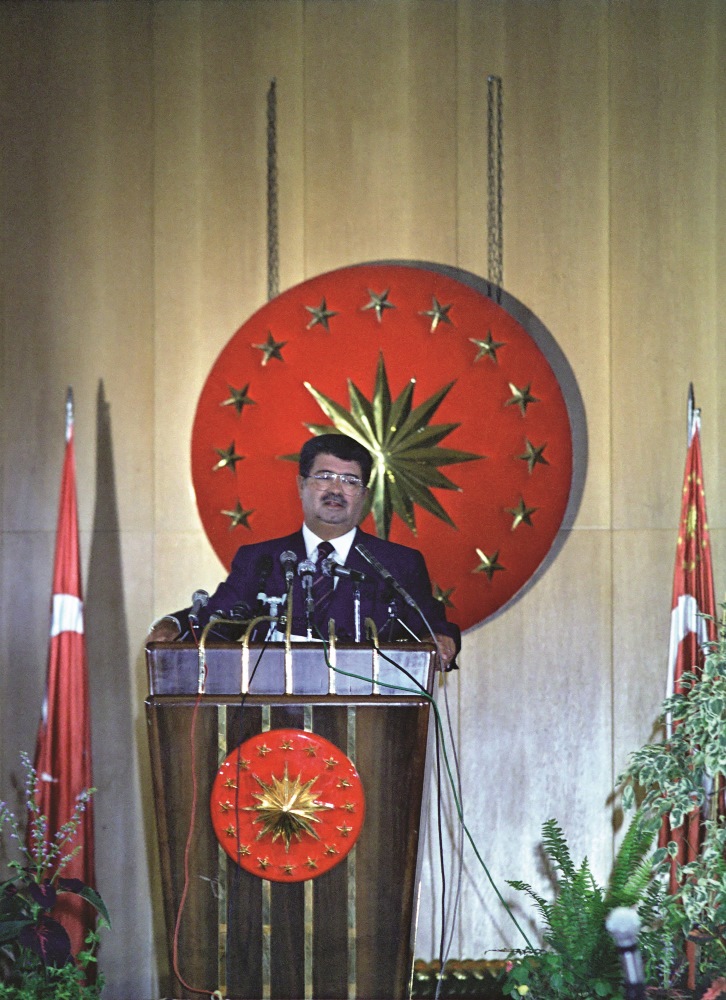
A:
(287, 805)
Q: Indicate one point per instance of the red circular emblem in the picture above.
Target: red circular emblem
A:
(287, 805)
(457, 401)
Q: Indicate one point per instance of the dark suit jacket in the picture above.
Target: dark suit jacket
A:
(406, 565)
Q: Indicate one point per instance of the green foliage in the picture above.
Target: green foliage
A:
(35, 950)
(580, 960)
(673, 778)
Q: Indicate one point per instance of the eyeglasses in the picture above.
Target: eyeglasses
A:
(348, 483)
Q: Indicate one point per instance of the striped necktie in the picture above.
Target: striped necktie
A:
(323, 586)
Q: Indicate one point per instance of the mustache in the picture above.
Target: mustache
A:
(335, 497)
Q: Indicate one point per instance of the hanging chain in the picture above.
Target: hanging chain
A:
(495, 201)
(273, 234)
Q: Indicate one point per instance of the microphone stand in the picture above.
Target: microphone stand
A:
(356, 610)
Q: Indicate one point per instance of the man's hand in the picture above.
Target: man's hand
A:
(163, 630)
(447, 650)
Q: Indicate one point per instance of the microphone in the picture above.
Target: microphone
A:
(200, 598)
(623, 925)
(306, 572)
(331, 567)
(386, 575)
(288, 560)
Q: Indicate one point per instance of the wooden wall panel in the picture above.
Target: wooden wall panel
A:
(664, 224)
(133, 220)
(380, 133)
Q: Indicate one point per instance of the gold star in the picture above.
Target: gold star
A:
(230, 783)
(264, 863)
(521, 397)
(238, 398)
(533, 455)
(231, 831)
(487, 348)
(378, 302)
(522, 514)
(262, 751)
(344, 783)
(311, 751)
(287, 808)
(331, 849)
(438, 314)
(286, 745)
(344, 830)
(321, 314)
(330, 763)
(444, 595)
(288, 869)
(489, 564)
(349, 807)
(243, 764)
(238, 516)
(271, 349)
(244, 850)
(311, 863)
(227, 457)
(225, 806)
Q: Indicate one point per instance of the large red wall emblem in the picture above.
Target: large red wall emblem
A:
(468, 423)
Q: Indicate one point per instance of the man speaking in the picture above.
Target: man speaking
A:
(334, 569)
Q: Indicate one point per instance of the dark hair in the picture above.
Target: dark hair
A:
(339, 445)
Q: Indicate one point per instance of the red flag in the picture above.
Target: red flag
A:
(63, 751)
(693, 597)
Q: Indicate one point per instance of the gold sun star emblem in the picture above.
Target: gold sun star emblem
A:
(404, 445)
(287, 808)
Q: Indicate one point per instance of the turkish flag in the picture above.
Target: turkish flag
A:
(63, 750)
(693, 597)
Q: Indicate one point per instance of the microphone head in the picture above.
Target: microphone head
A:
(328, 566)
(623, 925)
(288, 558)
(307, 566)
(200, 598)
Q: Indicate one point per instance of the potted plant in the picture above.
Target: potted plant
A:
(35, 950)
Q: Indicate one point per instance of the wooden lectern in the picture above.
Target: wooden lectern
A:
(348, 932)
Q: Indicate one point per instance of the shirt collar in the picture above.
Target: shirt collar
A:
(342, 544)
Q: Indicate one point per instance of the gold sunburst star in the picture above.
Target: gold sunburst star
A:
(320, 315)
(404, 445)
(521, 397)
(488, 347)
(489, 565)
(271, 349)
(533, 455)
(287, 807)
(379, 303)
(443, 595)
(438, 314)
(522, 514)
(238, 398)
(228, 458)
(238, 517)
